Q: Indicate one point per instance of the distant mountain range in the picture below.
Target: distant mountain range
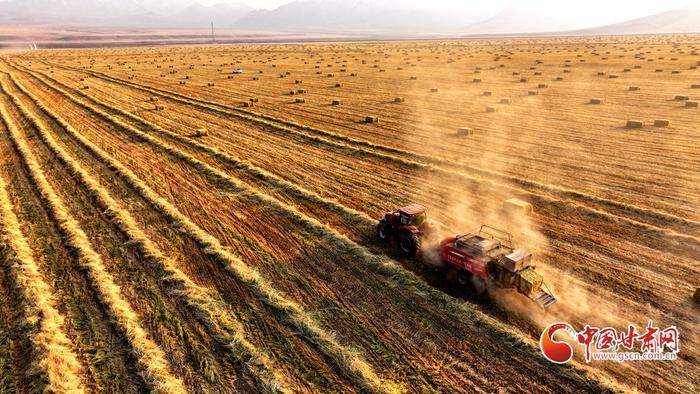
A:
(358, 17)
(686, 20)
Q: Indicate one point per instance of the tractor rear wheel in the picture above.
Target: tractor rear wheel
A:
(383, 231)
(409, 244)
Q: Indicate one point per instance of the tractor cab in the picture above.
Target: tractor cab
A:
(412, 215)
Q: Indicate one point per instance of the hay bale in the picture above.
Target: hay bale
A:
(336, 102)
(524, 79)
(596, 100)
(476, 80)
(691, 104)
(298, 81)
(413, 78)
(248, 104)
(210, 84)
(506, 100)
(681, 98)
(201, 132)
(542, 85)
(486, 93)
(153, 98)
(695, 86)
(434, 90)
(491, 108)
(301, 91)
(635, 124)
(515, 206)
(299, 101)
(613, 76)
(532, 92)
(661, 123)
(86, 87)
(371, 119)
(256, 78)
(465, 131)
(634, 88)
(399, 99)
(253, 99)
(560, 78)
(159, 107)
(338, 85)
(696, 296)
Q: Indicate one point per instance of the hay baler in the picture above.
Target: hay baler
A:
(486, 257)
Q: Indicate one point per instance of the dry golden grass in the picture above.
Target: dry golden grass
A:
(597, 137)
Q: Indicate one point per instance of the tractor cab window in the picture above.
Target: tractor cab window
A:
(418, 220)
(405, 219)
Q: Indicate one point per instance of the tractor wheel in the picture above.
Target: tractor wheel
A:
(383, 231)
(409, 244)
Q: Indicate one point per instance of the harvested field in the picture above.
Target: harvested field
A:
(163, 235)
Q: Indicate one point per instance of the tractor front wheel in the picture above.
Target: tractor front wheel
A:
(409, 244)
(383, 231)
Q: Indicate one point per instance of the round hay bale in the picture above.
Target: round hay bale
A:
(299, 100)
(372, 119)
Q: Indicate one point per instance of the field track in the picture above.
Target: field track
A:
(245, 261)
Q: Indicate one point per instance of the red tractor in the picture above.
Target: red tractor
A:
(486, 257)
(407, 224)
